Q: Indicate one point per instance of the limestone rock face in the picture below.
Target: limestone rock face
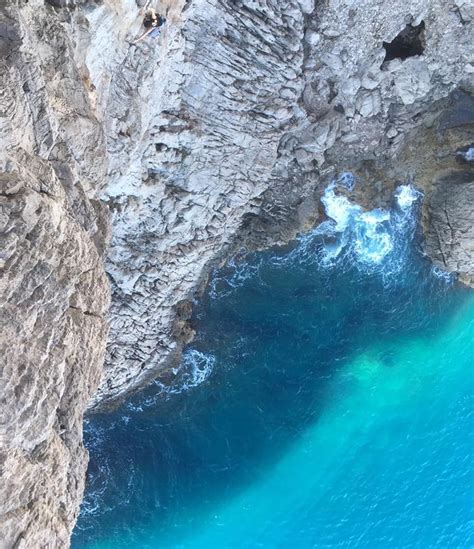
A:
(224, 131)
(219, 134)
(450, 238)
(54, 293)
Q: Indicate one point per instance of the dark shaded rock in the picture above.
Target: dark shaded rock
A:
(408, 43)
(459, 113)
(450, 235)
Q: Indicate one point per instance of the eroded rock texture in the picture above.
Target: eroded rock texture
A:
(221, 133)
(225, 130)
(53, 289)
(450, 239)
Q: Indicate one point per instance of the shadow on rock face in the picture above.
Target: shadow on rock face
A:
(9, 37)
(459, 113)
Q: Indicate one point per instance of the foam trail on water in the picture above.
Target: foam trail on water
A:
(375, 241)
(448, 278)
(197, 368)
(194, 369)
(222, 284)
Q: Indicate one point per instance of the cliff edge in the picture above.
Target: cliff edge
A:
(54, 294)
(217, 136)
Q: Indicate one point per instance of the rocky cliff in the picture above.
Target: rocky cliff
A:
(54, 293)
(218, 135)
(224, 132)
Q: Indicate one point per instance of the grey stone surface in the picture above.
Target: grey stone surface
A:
(54, 293)
(450, 237)
(221, 133)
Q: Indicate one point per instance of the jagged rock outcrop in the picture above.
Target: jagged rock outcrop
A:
(225, 131)
(54, 293)
(220, 134)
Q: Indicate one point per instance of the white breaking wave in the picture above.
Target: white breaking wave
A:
(368, 237)
(339, 208)
(374, 241)
(406, 196)
(194, 369)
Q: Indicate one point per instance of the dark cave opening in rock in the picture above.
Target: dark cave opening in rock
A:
(408, 43)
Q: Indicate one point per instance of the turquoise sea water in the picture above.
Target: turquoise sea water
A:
(328, 401)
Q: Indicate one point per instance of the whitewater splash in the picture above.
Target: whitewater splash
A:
(194, 369)
(367, 238)
(366, 234)
(468, 155)
(376, 241)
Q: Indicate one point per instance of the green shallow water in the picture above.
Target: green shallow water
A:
(323, 404)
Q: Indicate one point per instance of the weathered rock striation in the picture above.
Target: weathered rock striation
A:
(450, 238)
(224, 133)
(54, 293)
(220, 134)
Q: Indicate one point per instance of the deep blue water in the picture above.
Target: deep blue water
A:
(328, 401)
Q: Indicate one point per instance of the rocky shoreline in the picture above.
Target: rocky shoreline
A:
(221, 134)
(239, 157)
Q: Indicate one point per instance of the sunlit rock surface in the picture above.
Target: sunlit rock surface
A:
(54, 293)
(223, 132)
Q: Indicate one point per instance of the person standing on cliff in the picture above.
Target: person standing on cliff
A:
(152, 22)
